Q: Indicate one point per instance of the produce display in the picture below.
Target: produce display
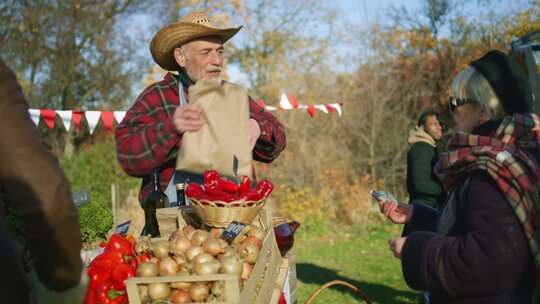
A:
(217, 188)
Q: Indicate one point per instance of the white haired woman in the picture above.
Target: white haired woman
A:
(484, 246)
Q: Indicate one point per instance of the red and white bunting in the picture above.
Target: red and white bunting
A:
(287, 102)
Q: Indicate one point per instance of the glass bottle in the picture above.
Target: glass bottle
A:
(156, 199)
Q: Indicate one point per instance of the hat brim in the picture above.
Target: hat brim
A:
(176, 34)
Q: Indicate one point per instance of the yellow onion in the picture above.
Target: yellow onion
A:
(159, 291)
(199, 292)
(246, 271)
(188, 231)
(207, 268)
(180, 296)
(143, 294)
(199, 237)
(177, 233)
(212, 246)
(255, 232)
(228, 252)
(218, 288)
(216, 232)
(180, 260)
(168, 267)
(203, 258)
(147, 269)
(181, 285)
(192, 252)
(180, 245)
(230, 265)
(160, 249)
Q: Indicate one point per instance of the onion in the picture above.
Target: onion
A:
(147, 269)
(239, 239)
(216, 232)
(249, 252)
(228, 252)
(199, 292)
(188, 231)
(142, 245)
(252, 239)
(180, 260)
(223, 243)
(207, 268)
(212, 246)
(203, 258)
(180, 245)
(230, 265)
(199, 237)
(168, 267)
(255, 232)
(159, 291)
(246, 271)
(217, 288)
(143, 294)
(177, 233)
(180, 296)
(160, 249)
(192, 252)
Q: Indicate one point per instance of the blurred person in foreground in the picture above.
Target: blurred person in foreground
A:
(34, 188)
(483, 247)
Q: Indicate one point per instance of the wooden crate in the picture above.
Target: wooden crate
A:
(260, 285)
(283, 270)
(231, 285)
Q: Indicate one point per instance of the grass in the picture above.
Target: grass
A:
(356, 255)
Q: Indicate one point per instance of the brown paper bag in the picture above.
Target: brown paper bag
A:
(225, 134)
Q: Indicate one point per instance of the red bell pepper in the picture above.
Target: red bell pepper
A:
(90, 297)
(98, 276)
(106, 294)
(229, 187)
(252, 195)
(109, 259)
(211, 179)
(119, 275)
(245, 185)
(118, 242)
(264, 188)
(142, 258)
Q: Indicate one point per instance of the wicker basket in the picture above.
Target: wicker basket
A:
(220, 214)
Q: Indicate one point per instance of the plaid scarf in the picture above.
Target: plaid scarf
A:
(502, 156)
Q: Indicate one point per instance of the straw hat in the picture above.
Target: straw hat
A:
(194, 25)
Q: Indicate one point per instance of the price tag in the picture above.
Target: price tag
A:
(123, 228)
(232, 231)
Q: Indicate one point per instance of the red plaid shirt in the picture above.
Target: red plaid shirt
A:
(146, 139)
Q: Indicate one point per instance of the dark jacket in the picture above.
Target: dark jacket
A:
(476, 252)
(33, 185)
(422, 184)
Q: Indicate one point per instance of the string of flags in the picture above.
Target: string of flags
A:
(69, 117)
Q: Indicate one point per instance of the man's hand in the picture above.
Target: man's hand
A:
(396, 246)
(187, 119)
(255, 131)
(398, 213)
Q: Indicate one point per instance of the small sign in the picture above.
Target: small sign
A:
(123, 228)
(232, 231)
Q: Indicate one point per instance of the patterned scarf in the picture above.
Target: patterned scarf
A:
(502, 156)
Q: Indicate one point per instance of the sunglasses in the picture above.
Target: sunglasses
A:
(454, 103)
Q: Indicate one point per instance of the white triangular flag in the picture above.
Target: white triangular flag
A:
(92, 117)
(284, 102)
(35, 114)
(271, 108)
(66, 118)
(322, 108)
(336, 106)
(119, 115)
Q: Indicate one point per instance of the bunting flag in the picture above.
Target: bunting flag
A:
(108, 118)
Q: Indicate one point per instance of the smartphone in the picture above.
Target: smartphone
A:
(382, 196)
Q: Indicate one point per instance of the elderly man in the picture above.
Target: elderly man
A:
(150, 135)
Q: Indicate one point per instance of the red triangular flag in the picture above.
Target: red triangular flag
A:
(107, 118)
(261, 103)
(48, 117)
(330, 109)
(282, 299)
(293, 101)
(77, 116)
(311, 111)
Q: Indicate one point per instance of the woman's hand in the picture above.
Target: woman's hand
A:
(397, 213)
(396, 246)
